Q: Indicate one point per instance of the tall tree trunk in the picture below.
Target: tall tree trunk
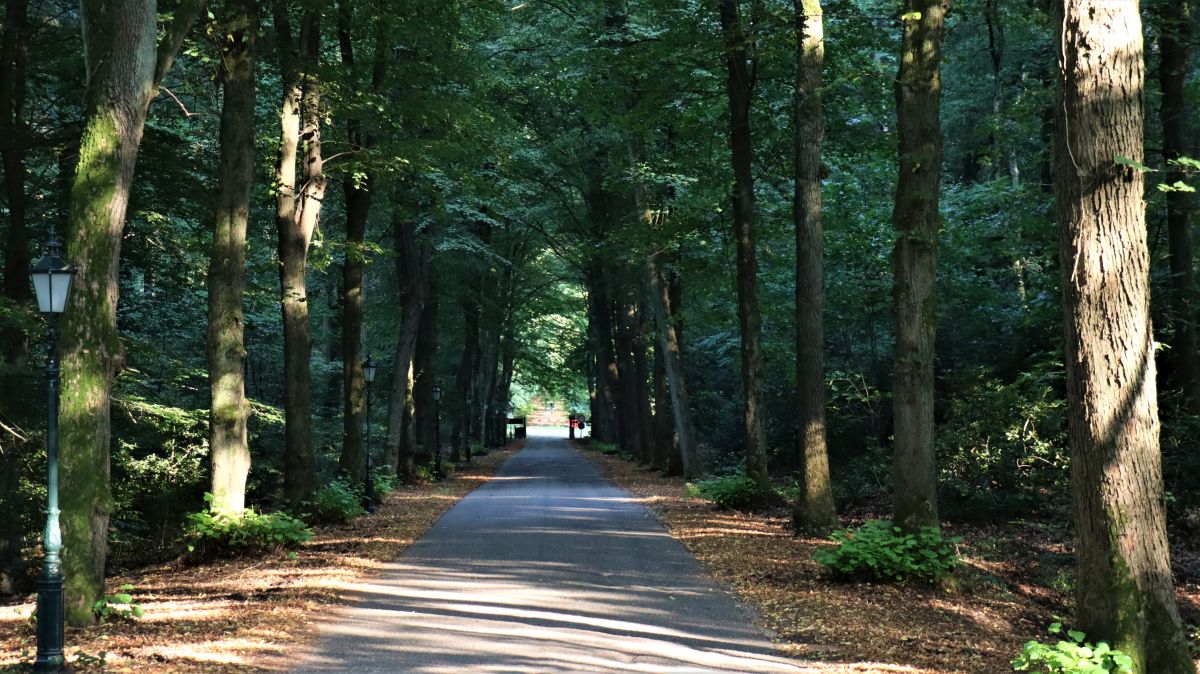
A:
(358, 190)
(1125, 594)
(814, 510)
(13, 136)
(297, 214)
(227, 261)
(426, 367)
(123, 74)
(668, 344)
(918, 101)
(608, 376)
(1175, 50)
(464, 382)
(412, 270)
(740, 87)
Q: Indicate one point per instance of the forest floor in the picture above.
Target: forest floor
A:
(253, 614)
(1015, 579)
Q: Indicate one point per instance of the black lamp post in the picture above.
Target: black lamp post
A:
(437, 429)
(370, 367)
(485, 429)
(52, 278)
(467, 429)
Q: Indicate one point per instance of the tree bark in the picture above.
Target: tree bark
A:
(1175, 60)
(13, 137)
(297, 214)
(411, 269)
(124, 68)
(916, 219)
(426, 367)
(230, 409)
(119, 46)
(740, 88)
(358, 190)
(668, 343)
(814, 510)
(1125, 593)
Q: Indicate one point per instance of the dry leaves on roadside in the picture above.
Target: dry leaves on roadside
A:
(251, 615)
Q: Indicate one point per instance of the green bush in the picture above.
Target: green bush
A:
(210, 535)
(479, 449)
(732, 491)
(120, 606)
(337, 501)
(385, 482)
(605, 447)
(1071, 656)
(881, 551)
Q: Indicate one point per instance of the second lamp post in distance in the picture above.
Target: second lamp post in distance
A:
(370, 367)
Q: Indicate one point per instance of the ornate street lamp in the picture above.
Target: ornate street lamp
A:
(370, 367)
(437, 429)
(52, 278)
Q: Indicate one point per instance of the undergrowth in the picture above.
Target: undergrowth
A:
(879, 551)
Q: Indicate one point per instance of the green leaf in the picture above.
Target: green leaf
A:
(1122, 160)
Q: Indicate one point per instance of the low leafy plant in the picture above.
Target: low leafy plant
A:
(479, 449)
(337, 501)
(211, 535)
(733, 491)
(605, 447)
(120, 606)
(881, 551)
(1072, 655)
(385, 482)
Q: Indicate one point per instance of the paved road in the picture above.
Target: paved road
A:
(546, 568)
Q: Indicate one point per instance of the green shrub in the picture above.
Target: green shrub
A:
(605, 447)
(337, 501)
(1071, 656)
(120, 606)
(479, 449)
(881, 551)
(732, 491)
(210, 535)
(385, 482)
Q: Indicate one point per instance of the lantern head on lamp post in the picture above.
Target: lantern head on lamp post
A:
(370, 367)
(52, 278)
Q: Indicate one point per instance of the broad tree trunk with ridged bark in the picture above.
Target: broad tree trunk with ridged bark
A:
(1125, 594)
(124, 68)
(688, 455)
(227, 439)
(298, 208)
(740, 90)
(918, 90)
(814, 510)
(13, 138)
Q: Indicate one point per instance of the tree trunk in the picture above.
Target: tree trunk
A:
(297, 214)
(123, 74)
(608, 376)
(13, 136)
(426, 366)
(814, 510)
(668, 343)
(740, 87)
(358, 192)
(227, 261)
(411, 269)
(464, 382)
(1175, 50)
(916, 219)
(1125, 594)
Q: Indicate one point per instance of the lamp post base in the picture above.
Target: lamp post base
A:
(50, 612)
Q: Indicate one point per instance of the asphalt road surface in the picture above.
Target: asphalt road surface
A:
(546, 568)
